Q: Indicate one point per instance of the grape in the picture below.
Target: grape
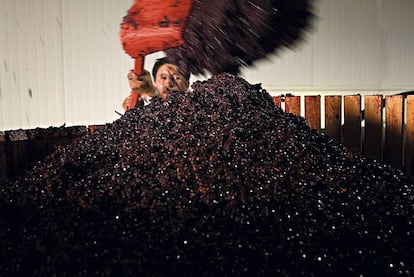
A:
(215, 181)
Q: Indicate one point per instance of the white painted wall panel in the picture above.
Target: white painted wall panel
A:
(9, 92)
(397, 29)
(32, 87)
(291, 68)
(61, 61)
(347, 45)
(95, 65)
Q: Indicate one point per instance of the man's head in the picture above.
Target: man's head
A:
(169, 77)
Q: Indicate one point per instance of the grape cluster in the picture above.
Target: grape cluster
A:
(218, 180)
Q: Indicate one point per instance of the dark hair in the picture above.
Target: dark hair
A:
(163, 61)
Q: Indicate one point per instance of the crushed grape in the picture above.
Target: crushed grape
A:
(214, 181)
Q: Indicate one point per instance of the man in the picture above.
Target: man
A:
(168, 78)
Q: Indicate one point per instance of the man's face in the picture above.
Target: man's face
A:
(168, 79)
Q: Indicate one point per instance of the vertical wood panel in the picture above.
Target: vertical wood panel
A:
(352, 122)
(372, 145)
(333, 117)
(292, 104)
(3, 158)
(278, 101)
(394, 127)
(409, 136)
(313, 111)
(17, 152)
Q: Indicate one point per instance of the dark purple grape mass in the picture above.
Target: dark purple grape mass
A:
(216, 181)
(226, 35)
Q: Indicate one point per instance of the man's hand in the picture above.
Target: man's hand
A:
(141, 84)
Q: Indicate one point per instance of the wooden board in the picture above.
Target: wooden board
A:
(393, 132)
(372, 145)
(3, 158)
(333, 117)
(409, 136)
(17, 152)
(292, 104)
(352, 122)
(313, 111)
(278, 101)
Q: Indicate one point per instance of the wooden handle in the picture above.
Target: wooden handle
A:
(138, 70)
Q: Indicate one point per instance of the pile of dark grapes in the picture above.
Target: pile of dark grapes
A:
(214, 181)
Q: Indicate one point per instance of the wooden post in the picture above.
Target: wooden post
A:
(409, 136)
(38, 143)
(17, 153)
(333, 117)
(278, 101)
(393, 146)
(372, 145)
(352, 122)
(313, 111)
(292, 104)
(3, 159)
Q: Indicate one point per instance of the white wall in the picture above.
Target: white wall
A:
(357, 45)
(61, 61)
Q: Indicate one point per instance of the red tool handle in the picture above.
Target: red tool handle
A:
(138, 70)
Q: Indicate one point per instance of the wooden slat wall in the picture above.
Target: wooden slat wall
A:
(387, 134)
(20, 148)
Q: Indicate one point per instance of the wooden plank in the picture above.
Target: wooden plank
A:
(394, 129)
(38, 143)
(333, 117)
(292, 104)
(409, 136)
(17, 153)
(278, 101)
(313, 111)
(351, 130)
(3, 159)
(372, 145)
